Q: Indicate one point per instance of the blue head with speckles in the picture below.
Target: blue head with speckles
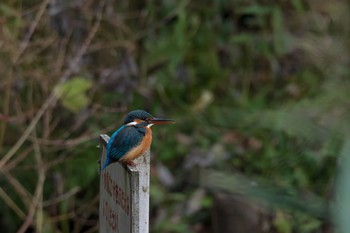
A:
(137, 114)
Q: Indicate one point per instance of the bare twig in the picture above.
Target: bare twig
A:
(50, 101)
(35, 202)
(11, 204)
(62, 197)
(62, 217)
(18, 159)
(36, 205)
(62, 52)
(21, 191)
(41, 174)
(53, 98)
(129, 45)
(31, 30)
(6, 106)
(141, 34)
(83, 213)
(72, 142)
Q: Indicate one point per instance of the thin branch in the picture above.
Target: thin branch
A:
(18, 159)
(62, 197)
(41, 174)
(12, 204)
(7, 94)
(53, 98)
(50, 101)
(72, 142)
(62, 217)
(31, 30)
(162, 22)
(36, 205)
(21, 191)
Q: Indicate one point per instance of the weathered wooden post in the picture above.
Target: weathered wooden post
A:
(124, 195)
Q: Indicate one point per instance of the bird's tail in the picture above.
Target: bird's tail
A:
(107, 162)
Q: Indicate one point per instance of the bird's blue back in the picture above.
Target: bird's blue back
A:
(122, 141)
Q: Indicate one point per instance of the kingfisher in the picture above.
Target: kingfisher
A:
(133, 138)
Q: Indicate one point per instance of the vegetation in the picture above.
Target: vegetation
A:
(259, 89)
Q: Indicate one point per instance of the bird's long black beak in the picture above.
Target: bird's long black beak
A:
(161, 121)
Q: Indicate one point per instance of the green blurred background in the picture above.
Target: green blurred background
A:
(259, 90)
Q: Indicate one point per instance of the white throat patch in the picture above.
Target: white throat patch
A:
(131, 123)
(135, 123)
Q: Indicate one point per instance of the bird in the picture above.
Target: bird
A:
(133, 138)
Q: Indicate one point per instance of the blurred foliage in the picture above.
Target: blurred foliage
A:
(259, 90)
(72, 93)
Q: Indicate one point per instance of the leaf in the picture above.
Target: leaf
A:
(282, 223)
(73, 93)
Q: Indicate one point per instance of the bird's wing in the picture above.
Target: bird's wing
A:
(122, 141)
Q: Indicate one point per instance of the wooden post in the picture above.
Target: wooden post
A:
(124, 195)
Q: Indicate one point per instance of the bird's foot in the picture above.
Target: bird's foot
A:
(130, 163)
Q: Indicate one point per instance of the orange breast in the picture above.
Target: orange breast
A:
(140, 149)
